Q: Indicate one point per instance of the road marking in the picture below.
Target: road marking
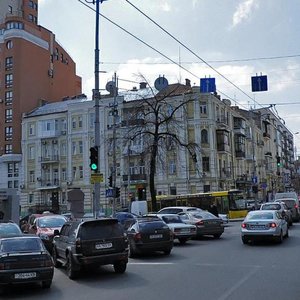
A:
(227, 294)
(150, 263)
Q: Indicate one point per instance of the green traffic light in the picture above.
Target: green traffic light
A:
(94, 167)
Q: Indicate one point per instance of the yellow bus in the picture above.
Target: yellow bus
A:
(229, 202)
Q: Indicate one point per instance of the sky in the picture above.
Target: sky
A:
(228, 40)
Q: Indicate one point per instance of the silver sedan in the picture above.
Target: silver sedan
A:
(264, 224)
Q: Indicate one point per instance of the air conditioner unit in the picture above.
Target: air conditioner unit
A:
(22, 186)
(44, 142)
(38, 178)
(54, 142)
(69, 182)
(1, 100)
(63, 132)
(44, 167)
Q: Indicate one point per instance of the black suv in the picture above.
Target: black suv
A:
(90, 243)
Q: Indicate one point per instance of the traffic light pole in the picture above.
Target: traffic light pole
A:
(96, 98)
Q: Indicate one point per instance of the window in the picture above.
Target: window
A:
(74, 171)
(31, 176)
(74, 148)
(172, 167)
(173, 190)
(8, 80)
(8, 97)
(205, 164)
(30, 17)
(14, 25)
(8, 149)
(8, 63)
(31, 4)
(13, 170)
(16, 184)
(31, 129)
(80, 147)
(203, 108)
(204, 136)
(31, 152)
(8, 133)
(30, 198)
(63, 149)
(10, 9)
(80, 172)
(9, 184)
(8, 115)
(92, 120)
(73, 123)
(80, 122)
(63, 174)
(9, 44)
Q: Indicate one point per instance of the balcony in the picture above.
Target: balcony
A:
(135, 177)
(49, 184)
(222, 122)
(49, 159)
(266, 135)
(133, 122)
(240, 154)
(222, 147)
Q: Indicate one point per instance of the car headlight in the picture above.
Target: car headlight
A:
(44, 236)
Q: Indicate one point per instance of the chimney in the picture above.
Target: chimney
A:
(187, 82)
(143, 85)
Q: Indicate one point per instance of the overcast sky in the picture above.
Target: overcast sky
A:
(238, 38)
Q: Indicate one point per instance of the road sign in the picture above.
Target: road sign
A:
(109, 192)
(207, 85)
(96, 178)
(259, 83)
(254, 179)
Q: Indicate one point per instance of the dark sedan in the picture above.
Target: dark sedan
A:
(206, 223)
(24, 259)
(149, 234)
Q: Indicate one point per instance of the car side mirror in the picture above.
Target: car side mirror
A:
(56, 232)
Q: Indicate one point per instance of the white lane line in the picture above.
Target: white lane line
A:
(227, 294)
(150, 263)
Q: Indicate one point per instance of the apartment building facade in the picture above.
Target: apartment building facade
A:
(235, 149)
(34, 68)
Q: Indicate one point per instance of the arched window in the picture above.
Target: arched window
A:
(204, 136)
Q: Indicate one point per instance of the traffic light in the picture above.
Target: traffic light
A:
(255, 189)
(94, 159)
(110, 181)
(278, 161)
(117, 194)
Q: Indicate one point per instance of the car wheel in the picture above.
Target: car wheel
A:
(131, 252)
(167, 251)
(245, 240)
(217, 236)
(72, 274)
(182, 241)
(120, 267)
(57, 264)
(46, 284)
(287, 234)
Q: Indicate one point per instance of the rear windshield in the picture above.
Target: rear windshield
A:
(9, 229)
(51, 222)
(21, 245)
(271, 207)
(153, 225)
(172, 219)
(100, 230)
(289, 203)
(265, 216)
(203, 215)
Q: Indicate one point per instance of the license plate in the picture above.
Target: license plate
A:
(103, 246)
(25, 275)
(155, 236)
(185, 230)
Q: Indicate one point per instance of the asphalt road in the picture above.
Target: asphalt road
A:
(202, 269)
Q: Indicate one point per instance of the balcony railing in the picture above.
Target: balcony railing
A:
(135, 177)
(54, 183)
(49, 159)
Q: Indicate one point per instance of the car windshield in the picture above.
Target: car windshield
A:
(100, 230)
(51, 222)
(289, 203)
(203, 215)
(151, 225)
(271, 207)
(258, 216)
(172, 219)
(21, 245)
(9, 229)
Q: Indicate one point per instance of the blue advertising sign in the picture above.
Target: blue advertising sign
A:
(259, 83)
(207, 85)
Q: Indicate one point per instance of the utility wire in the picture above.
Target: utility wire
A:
(159, 52)
(187, 48)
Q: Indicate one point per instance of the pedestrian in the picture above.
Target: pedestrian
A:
(214, 210)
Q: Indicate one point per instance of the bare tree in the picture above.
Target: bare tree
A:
(157, 120)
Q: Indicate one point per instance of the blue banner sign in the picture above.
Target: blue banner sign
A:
(259, 83)
(207, 85)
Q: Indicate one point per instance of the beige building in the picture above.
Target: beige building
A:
(235, 148)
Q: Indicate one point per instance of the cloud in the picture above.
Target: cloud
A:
(244, 11)
(165, 7)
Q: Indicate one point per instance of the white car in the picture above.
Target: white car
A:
(181, 230)
(177, 209)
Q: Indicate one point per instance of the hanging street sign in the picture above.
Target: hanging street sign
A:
(96, 178)
(207, 85)
(259, 83)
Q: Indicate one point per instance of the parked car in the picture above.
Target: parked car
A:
(224, 218)
(24, 259)
(292, 206)
(177, 209)
(206, 223)
(149, 234)
(125, 218)
(264, 224)
(9, 229)
(181, 230)
(44, 227)
(281, 207)
(90, 243)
